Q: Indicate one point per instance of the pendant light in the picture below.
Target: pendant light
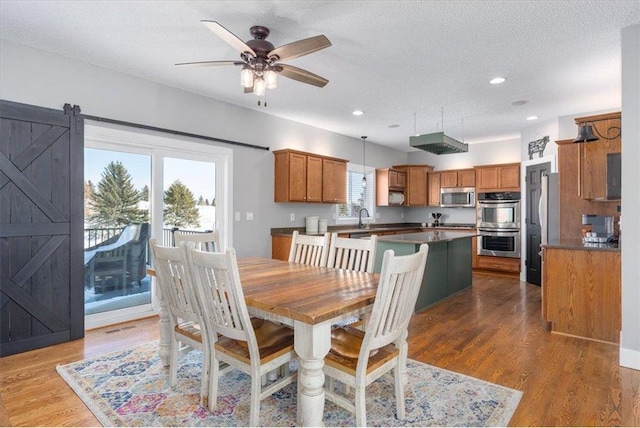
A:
(364, 163)
(585, 134)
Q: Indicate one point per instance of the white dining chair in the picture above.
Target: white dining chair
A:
(205, 241)
(254, 346)
(358, 358)
(352, 254)
(178, 292)
(308, 249)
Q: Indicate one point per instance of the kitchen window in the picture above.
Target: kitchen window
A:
(357, 196)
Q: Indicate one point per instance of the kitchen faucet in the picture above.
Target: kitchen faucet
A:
(360, 217)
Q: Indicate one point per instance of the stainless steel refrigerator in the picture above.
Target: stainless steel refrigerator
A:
(549, 208)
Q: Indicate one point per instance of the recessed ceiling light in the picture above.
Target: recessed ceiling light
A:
(519, 103)
(532, 118)
(395, 125)
(497, 80)
(357, 113)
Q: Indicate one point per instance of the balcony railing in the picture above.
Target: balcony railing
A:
(94, 237)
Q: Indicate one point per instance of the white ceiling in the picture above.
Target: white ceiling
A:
(405, 63)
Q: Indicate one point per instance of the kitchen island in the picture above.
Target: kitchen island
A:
(448, 268)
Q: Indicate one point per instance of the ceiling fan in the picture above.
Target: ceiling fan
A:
(261, 61)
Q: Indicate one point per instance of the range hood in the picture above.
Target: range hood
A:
(438, 144)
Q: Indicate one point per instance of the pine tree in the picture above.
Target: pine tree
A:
(206, 201)
(200, 200)
(144, 193)
(180, 206)
(114, 202)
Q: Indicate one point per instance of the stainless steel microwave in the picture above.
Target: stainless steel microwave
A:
(458, 197)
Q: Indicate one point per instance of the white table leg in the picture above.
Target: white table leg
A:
(312, 343)
(165, 331)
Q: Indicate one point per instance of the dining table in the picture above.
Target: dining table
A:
(310, 299)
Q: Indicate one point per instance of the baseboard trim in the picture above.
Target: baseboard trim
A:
(630, 358)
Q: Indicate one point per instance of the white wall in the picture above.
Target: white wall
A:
(34, 77)
(630, 336)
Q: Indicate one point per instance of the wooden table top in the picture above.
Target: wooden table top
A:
(304, 293)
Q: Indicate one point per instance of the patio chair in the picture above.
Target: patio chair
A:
(122, 259)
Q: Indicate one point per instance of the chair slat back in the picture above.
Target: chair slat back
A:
(174, 281)
(309, 250)
(217, 282)
(400, 281)
(352, 254)
(205, 241)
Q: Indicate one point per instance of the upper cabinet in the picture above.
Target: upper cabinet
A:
(334, 181)
(390, 181)
(458, 178)
(502, 177)
(593, 156)
(306, 177)
(416, 184)
(433, 179)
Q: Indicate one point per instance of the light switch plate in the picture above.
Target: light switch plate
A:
(292, 217)
(249, 216)
(401, 215)
(236, 217)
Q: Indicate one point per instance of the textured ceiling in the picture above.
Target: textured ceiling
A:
(405, 63)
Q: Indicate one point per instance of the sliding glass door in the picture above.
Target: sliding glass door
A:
(140, 185)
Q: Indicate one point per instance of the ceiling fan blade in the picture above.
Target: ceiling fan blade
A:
(248, 90)
(300, 48)
(210, 63)
(301, 75)
(229, 37)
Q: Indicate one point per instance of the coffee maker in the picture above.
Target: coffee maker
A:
(601, 227)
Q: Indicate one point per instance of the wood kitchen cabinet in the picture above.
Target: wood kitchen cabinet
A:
(416, 185)
(581, 292)
(498, 178)
(334, 181)
(593, 155)
(502, 264)
(433, 179)
(458, 178)
(304, 177)
(389, 180)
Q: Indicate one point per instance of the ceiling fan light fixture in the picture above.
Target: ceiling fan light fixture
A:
(246, 77)
(271, 78)
(259, 86)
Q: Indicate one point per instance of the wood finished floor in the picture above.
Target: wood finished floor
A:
(492, 331)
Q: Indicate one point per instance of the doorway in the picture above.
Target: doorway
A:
(141, 185)
(533, 259)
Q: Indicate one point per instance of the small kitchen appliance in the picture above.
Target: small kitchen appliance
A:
(601, 228)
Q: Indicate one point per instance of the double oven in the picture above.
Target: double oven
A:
(498, 222)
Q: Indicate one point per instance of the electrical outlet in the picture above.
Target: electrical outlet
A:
(401, 215)
(292, 216)
(236, 217)
(249, 216)
(377, 216)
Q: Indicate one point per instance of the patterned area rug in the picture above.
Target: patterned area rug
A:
(130, 388)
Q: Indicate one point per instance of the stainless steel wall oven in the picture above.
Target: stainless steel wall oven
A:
(498, 221)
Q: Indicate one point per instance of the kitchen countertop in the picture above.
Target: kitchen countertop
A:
(426, 237)
(577, 244)
(373, 228)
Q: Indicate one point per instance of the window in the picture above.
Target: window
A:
(150, 164)
(357, 196)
